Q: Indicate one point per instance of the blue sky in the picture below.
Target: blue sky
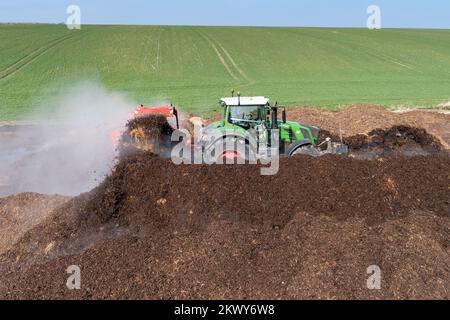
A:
(322, 13)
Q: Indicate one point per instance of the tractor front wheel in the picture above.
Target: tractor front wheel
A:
(308, 150)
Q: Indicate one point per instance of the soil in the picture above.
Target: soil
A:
(398, 140)
(365, 118)
(20, 213)
(155, 230)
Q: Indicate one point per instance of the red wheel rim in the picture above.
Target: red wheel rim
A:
(230, 154)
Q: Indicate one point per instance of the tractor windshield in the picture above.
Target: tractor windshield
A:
(246, 114)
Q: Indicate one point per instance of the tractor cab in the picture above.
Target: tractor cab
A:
(246, 112)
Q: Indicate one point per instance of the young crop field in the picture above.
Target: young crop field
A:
(194, 66)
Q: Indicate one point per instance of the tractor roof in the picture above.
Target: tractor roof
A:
(245, 101)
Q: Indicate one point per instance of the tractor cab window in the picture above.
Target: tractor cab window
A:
(246, 115)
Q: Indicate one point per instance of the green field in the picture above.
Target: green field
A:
(194, 66)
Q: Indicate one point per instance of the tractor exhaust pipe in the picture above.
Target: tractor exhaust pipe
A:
(239, 98)
(283, 116)
(275, 117)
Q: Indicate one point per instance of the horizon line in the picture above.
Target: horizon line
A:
(222, 26)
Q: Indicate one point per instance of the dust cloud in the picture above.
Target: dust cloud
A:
(70, 153)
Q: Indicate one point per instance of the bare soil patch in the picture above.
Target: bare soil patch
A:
(20, 213)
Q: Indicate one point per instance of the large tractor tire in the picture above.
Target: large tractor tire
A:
(220, 151)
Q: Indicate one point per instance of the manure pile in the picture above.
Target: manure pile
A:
(155, 230)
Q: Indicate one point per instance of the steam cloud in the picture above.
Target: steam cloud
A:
(69, 154)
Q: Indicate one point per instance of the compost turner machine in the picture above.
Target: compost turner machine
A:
(250, 128)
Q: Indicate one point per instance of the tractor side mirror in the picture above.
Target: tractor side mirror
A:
(283, 116)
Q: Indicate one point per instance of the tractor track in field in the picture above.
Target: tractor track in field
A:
(223, 55)
(158, 53)
(221, 58)
(156, 65)
(371, 52)
(31, 57)
(230, 58)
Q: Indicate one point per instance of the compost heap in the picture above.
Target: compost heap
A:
(154, 230)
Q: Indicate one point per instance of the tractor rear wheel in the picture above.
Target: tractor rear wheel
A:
(230, 148)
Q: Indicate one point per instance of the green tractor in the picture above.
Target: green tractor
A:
(251, 129)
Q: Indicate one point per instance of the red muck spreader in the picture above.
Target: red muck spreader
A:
(166, 111)
(143, 111)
